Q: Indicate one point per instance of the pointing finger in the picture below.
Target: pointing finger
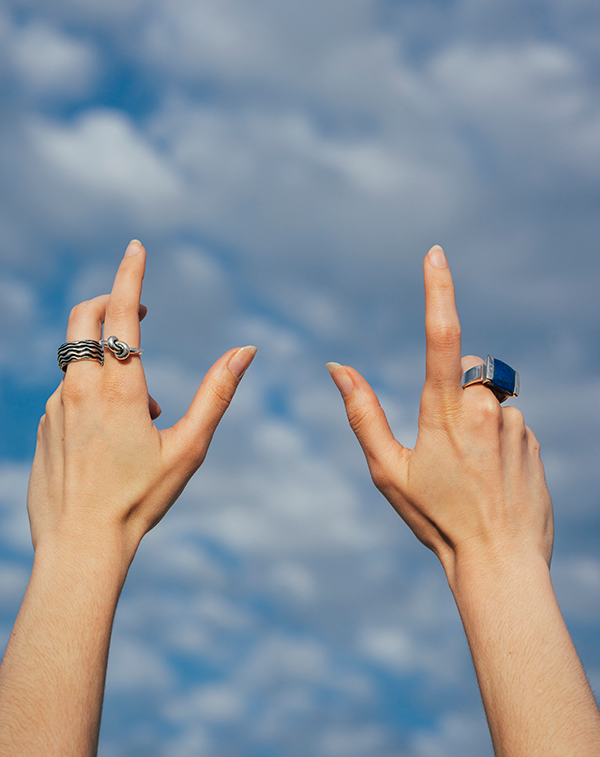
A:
(442, 327)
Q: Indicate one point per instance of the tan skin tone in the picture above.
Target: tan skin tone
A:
(473, 490)
(102, 477)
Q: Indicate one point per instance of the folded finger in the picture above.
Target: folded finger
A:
(154, 408)
(469, 361)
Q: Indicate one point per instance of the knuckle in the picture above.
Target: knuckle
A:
(489, 408)
(361, 418)
(119, 390)
(513, 419)
(119, 309)
(73, 392)
(380, 475)
(221, 392)
(53, 404)
(445, 336)
(81, 312)
(484, 410)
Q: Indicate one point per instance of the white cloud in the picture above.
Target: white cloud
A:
(13, 506)
(287, 502)
(532, 100)
(463, 734)
(13, 582)
(213, 703)
(298, 158)
(50, 63)
(134, 665)
(391, 646)
(102, 154)
(294, 580)
(17, 303)
(577, 584)
(256, 174)
(361, 740)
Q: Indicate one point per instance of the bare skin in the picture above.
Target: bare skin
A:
(473, 490)
(102, 477)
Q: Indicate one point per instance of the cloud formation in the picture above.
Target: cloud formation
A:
(287, 166)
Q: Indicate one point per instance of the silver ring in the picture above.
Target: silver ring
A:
(496, 375)
(121, 350)
(84, 349)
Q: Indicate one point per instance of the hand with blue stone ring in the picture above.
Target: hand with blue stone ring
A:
(473, 490)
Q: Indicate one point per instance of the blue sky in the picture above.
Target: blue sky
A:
(287, 164)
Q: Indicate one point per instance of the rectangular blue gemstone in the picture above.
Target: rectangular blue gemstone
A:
(504, 377)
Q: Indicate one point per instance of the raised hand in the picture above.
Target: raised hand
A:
(101, 463)
(103, 475)
(473, 490)
(474, 482)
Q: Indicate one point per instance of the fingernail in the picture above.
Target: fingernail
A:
(133, 248)
(241, 360)
(437, 258)
(341, 378)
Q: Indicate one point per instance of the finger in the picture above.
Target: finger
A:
(469, 361)
(85, 322)
(123, 309)
(154, 408)
(442, 327)
(86, 319)
(189, 439)
(367, 419)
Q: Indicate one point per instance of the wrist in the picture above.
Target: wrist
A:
(100, 556)
(497, 573)
(496, 567)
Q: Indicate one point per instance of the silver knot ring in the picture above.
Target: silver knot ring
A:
(496, 375)
(84, 349)
(121, 350)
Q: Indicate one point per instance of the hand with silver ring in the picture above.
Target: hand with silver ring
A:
(102, 477)
(473, 490)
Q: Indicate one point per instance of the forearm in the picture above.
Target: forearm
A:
(53, 673)
(535, 692)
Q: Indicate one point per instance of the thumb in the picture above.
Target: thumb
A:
(383, 452)
(189, 439)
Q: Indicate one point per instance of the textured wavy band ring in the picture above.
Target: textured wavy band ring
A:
(496, 375)
(121, 350)
(84, 349)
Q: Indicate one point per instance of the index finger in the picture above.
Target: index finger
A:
(442, 327)
(123, 306)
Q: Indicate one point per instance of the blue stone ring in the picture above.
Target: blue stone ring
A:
(496, 375)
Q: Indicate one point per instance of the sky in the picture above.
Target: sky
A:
(287, 164)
